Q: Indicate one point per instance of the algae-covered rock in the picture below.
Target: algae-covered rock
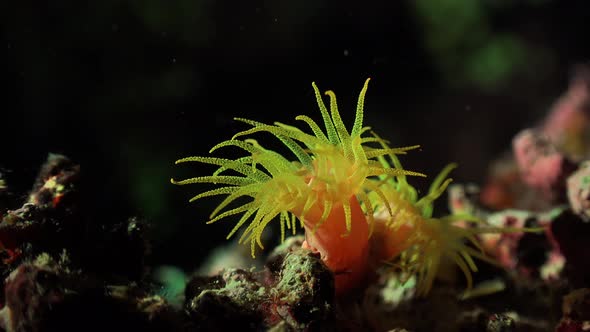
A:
(295, 293)
(304, 294)
(233, 298)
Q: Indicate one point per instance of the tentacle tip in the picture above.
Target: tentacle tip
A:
(173, 181)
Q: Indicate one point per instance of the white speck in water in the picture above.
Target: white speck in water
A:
(114, 27)
(173, 60)
(275, 20)
(346, 52)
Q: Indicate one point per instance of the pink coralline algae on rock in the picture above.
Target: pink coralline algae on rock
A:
(570, 117)
(541, 165)
(531, 254)
(533, 176)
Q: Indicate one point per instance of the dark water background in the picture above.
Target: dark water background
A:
(126, 87)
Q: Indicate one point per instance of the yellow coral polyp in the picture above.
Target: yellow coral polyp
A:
(332, 166)
(272, 196)
(435, 240)
(413, 239)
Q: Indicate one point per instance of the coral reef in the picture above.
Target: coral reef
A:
(521, 219)
(368, 261)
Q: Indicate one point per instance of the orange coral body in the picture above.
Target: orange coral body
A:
(345, 255)
(386, 244)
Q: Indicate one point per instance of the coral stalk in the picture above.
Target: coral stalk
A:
(345, 255)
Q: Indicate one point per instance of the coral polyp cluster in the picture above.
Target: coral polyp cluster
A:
(408, 235)
(348, 190)
(331, 167)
